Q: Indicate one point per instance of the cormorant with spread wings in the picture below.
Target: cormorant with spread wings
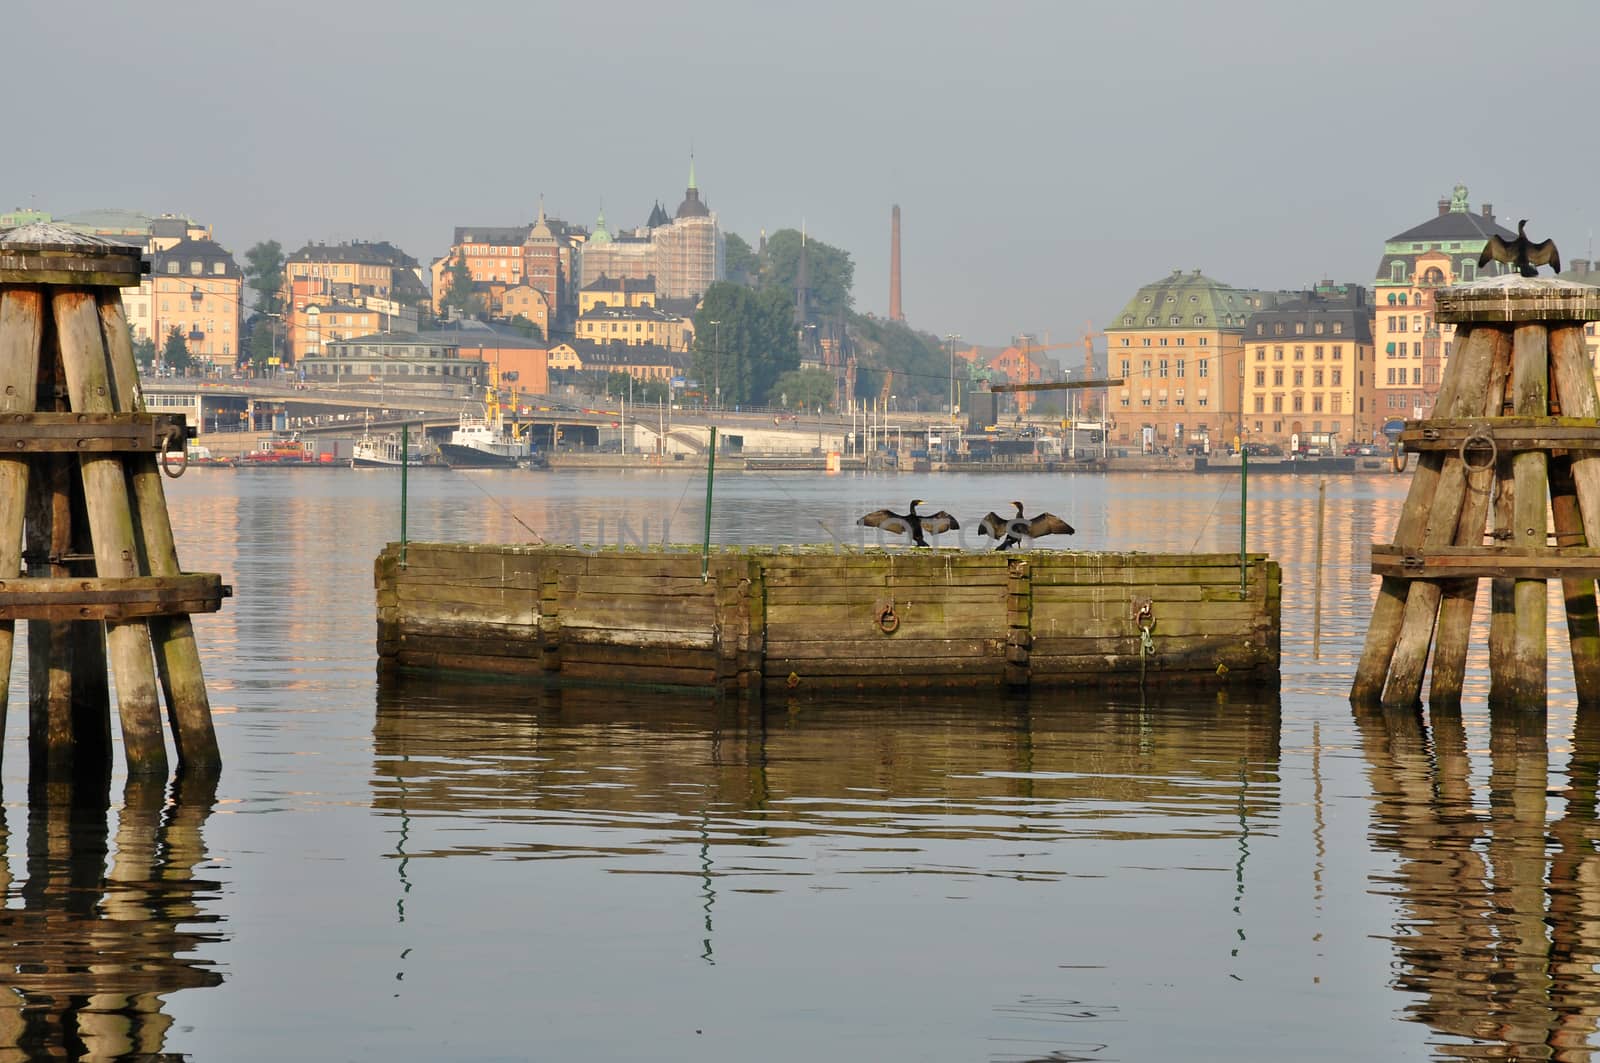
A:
(1522, 253)
(1013, 531)
(911, 523)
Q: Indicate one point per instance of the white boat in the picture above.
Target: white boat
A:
(486, 441)
(383, 452)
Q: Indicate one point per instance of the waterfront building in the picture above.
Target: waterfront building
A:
(336, 291)
(517, 359)
(1308, 368)
(1412, 347)
(636, 325)
(686, 253)
(640, 361)
(538, 254)
(617, 291)
(423, 357)
(1177, 345)
(529, 303)
(197, 287)
(20, 216)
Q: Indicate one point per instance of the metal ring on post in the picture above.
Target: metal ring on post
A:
(183, 454)
(1478, 439)
(888, 622)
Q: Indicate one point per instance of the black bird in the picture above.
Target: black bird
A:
(1013, 531)
(911, 523)
(1522, 253)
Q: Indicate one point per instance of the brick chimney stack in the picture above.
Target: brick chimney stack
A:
(895, 311)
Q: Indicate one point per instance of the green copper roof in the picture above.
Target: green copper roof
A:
(1187, 300)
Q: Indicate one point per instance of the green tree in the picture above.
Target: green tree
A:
(144, 352)
(830, 273)
(175, 354)
(262, 343)
(743, 342)
(919, 361)
(740, 262)
(619, 384)
(264, 273)
(458, 294)
(804, 389)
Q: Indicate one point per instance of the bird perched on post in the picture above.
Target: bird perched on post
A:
(1013, 531)
(1522, 253)
(911, 523)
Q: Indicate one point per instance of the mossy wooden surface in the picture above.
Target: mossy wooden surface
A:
(799, 617)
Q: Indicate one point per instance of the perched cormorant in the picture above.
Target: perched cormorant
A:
(1011, 532)
(1522, 253)
(911, 523)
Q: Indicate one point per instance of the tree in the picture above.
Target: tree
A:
(743, 341)
(144, 352)
(458, 295)
(919, 361)
(804, 389)
(619, 385)
(830, 274)
(175, 355)
(262, 343)
(740, 262)
(264, 274)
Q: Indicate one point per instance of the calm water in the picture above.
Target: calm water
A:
(494, 872)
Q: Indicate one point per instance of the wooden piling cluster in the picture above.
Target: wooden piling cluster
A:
(81, 495)
(812, 617)
(1507, 484)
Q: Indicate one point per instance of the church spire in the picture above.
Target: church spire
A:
(691, 168)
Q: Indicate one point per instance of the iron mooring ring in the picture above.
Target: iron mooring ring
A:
(183, 454)
(888, 621)
(1479, 439)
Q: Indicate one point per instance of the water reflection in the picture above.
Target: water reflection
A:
(91, 950)
(945, 797)
(1498, 886)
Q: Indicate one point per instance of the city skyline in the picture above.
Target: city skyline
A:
(1047, 160)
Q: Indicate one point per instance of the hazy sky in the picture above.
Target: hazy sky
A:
(1048, 158)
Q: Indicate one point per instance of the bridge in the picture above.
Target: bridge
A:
(231, 413)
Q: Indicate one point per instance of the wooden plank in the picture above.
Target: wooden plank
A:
(1472, 366)
(21, 330)
(1583, 624)
(890, 649)
(1388, 612)
(116, 548)
(1573, 381)
(1460, 596)
(1530, 376)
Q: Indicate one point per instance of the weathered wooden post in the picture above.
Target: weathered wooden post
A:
(79, 474)
(1515, 438)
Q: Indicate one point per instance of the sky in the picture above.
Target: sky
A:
(1048, 158)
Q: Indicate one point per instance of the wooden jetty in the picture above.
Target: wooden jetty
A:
(804, 618)
(1506, 488)
(82, 503)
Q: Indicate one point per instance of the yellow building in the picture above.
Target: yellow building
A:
(530, 303)
(196, 287)
(1412, 347)
(1177, 346)
(636, 326)
(617, 292)
(1308, 370)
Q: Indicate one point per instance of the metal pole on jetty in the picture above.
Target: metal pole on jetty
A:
(82, 481)
(405, 468)
(1244, 494)
(711, 468)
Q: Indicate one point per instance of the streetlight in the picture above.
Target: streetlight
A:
(716, 345)
(950, 342)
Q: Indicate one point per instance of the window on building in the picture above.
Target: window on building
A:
(1180, 341)
(1277, 329)
(1397, 270)
(1277, 378)
(1204, 340)
(1338, 378)
(1316, 378)
(1299, 354)
(1402, 298)
(1150, 320)
(1205, 367)
(1338, 327)
(1180, 368)
(1299, 328)
(1163, 341)
(1126, 368)
(1261, 354)
(1145, 369)
(1125, 341)
(1299, 378)
(1277, 404)
(1391, 298)
(1127, 321)
(1261, 405)
(1277, 354)
(1416, 375)
(1163, 368)
(1261, 378)
(1147, 341)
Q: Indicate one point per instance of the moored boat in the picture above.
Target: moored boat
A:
(486, 440)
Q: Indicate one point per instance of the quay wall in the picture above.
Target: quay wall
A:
(819, 618)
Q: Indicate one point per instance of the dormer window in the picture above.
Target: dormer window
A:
(172, 267)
